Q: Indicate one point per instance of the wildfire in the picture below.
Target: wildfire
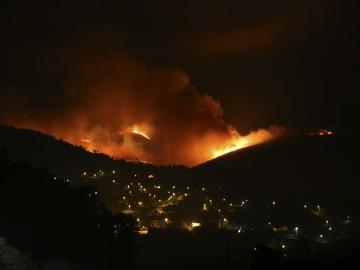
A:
(215, 146)
(240, 143)
(139, 132)
(120, 107)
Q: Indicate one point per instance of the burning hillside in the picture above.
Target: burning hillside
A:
(113, 104)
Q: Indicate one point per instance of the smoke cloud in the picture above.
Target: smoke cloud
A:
(112, 103)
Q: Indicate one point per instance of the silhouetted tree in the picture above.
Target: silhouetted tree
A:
(46, 217)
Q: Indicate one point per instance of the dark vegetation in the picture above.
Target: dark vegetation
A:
(312, 169)
(318, 169)
(47, 218)
(63, 158)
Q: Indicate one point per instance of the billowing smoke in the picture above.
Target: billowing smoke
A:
(114, 104)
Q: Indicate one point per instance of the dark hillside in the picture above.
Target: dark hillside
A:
(315, 168)
(63, 158)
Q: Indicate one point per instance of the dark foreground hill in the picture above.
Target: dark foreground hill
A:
(47, 218)
(62, 158)
(305, 168)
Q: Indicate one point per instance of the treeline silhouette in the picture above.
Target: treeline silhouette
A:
(321, 169)
(65, 159)
(47, 218)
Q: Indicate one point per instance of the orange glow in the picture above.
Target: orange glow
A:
(190, 226)
(118, 106)
(191, 150)
(215, 145)
(238, 144)
(135, 131)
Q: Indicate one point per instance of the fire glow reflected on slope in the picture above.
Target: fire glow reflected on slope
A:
(239, 144)
(206, 147)
(218, 147)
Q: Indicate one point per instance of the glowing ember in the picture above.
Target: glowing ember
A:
(321, 132)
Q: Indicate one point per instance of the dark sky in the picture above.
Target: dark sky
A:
(267, 62)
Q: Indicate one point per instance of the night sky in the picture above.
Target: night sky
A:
(266, 62)
(134, 133)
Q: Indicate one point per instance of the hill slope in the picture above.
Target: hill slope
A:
(314, 168)
(305, 168)
(65, 159)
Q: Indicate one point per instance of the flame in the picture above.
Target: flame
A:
(238, 144)
(139, 132)
(111, 97)
(215, 144)
(190, 151)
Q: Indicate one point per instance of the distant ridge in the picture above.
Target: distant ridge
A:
(306, 167)
(303, 168)
(65, 159)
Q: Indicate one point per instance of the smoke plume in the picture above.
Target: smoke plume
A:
(112, 103)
